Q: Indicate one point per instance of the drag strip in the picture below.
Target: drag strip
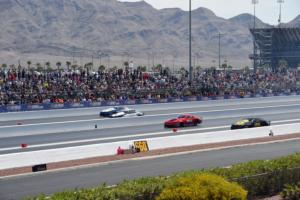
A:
(50, 116)
(112, 173)
(174, 111)
(61, 140)
(87, 125)
(217, 116)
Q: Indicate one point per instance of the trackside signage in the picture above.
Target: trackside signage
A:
(141, 146)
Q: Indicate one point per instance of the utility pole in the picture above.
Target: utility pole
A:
(254, 2)
(190, 42)
(279, 19)
(219, 50)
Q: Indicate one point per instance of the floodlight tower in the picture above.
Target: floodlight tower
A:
(190, 43)
(279, 19)
(254, 2)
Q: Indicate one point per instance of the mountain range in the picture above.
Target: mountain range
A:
(137, 30)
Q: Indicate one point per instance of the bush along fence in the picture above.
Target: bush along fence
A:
(52, 106)
(260, 178)
(291, 192)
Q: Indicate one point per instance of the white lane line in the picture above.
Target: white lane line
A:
(166, 114)
(112, 138)
(133, 136)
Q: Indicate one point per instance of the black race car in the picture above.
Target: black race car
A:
(250, 123)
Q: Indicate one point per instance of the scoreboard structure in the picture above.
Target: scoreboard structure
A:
(273, 45)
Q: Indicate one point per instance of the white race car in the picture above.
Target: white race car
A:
(120, 111)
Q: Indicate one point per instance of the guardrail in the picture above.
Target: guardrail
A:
(22, 159)
(52, 106)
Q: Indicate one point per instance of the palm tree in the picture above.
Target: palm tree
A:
(58, 65)
(159, 68)
(39, 67)
(88, 67)
(68, 63)
(4, 66)
(47, 64)
(101, 68)
(12, 66)
(282, 64)
(224, 66)
(74, 67)
(29, 63)
(126, 64)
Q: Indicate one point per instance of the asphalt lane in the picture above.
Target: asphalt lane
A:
(213, 121)
(112, 173)
(50, 116)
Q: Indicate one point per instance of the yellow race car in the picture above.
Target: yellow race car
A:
(250, 123)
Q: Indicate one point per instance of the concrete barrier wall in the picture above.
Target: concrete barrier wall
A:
(72, 153)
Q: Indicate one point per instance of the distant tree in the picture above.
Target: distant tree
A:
(166, 70)
(68, 63)
(88, 67)
(158, 68)
(4, 66)
(47, 64)
(58, 65)
(28, 64)
(142, 68)
(74, 67)
(101, 68)
(39, 67)
(224, 66)
(198, 68)
(126, 64)
(283, 64)
(12, 66)
(115, 68)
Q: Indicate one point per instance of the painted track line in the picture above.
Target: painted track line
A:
(133, 136)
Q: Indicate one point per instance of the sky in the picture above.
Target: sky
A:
(266, 10)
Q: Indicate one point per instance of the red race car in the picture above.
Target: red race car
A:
(183, 120)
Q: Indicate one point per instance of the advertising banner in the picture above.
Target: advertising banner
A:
(163, 100)
(130, 102)
(14, 108)
(57, 105)
(34, 107)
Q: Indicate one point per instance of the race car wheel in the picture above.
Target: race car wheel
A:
(181, 124)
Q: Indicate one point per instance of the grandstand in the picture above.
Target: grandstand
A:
(276, 44)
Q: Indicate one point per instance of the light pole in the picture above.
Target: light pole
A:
(254, 2)
(190, 42)
(279, 19)
(100, 55)
(219, 36)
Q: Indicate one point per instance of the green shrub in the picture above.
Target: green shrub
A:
(140, 189)
(291, 192)
(202, 187)
(259, 178)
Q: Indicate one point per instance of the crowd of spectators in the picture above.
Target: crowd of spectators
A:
(23, 86)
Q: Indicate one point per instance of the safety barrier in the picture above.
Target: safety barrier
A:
(21, 159)
(52, 106)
